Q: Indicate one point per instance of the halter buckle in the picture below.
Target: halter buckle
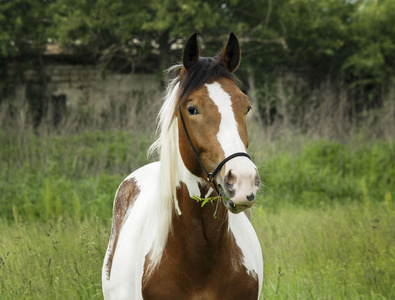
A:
(210, 177)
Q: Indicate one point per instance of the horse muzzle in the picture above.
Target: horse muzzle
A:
(240, 184)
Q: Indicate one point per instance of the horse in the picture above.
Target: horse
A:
(181, 227)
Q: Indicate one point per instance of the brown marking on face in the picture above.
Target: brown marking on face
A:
(201, 259)
(125, 197)
(203, 127)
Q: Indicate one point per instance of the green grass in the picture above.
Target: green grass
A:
(341, 252)
(344, 251)
(325, 217)
(53, 260)
(76, 175)
(41, 177)
(323, 172)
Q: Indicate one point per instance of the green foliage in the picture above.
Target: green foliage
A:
(23, 26)
(325, 221)
(130, 31)
(337, 252)
(371, 36)
(317, 31)
(322, 35)
(343, 251)
(204, 201)
(352, 40)
(70, 176)
(45, 260)
(326, 172)
(77, 175)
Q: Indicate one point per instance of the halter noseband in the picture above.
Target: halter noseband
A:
(210, 176)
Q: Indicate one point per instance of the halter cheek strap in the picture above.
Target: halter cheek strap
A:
(210, 176)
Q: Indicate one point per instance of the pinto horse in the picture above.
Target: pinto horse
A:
(164, 243)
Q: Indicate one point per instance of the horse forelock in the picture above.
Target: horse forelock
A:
(206, 70)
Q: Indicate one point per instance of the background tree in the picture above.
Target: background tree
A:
(328, 40)
(23, 27)
(132, 32)
(371, 55)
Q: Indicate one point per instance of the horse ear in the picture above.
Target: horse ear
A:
(191, 52)
(230, 57)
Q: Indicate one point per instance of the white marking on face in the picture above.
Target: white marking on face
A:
(229, 138)
(228, 135)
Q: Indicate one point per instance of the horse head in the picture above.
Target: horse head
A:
(212, 124)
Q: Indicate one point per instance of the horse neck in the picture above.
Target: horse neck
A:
(205, 225)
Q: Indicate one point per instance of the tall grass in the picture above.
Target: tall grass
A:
(331, 110)
(343, 251)
(325, 216)
(315, 173)
(59, 259)
(78, 175)
(75, 175)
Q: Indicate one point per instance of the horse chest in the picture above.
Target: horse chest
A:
(216, 275)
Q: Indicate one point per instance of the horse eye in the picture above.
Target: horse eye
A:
(192, 110)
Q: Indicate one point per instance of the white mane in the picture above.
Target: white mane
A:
(166, 146)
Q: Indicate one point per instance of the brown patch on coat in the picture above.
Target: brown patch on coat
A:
(126, 194)
(201, 259)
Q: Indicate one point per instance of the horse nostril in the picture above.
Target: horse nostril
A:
(250, 197)
(230, 179)
(257, 180)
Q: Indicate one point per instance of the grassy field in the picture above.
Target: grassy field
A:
(325, 219)
(340, 252)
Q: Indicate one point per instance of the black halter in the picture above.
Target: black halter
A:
(210, 176)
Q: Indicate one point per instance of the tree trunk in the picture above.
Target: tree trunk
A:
(164, 49)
